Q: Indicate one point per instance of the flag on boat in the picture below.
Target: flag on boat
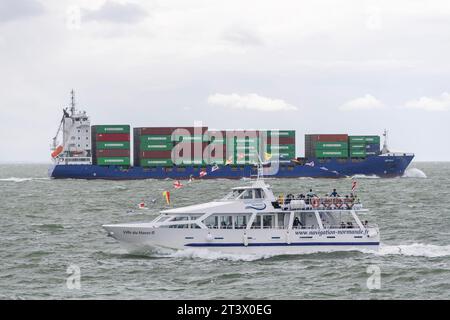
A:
(141, 205)
(311, 164)
(267, 156)
(166, 195)
(203, 173)
(354, 184)
(177, 184)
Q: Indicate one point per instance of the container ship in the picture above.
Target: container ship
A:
(120, 152)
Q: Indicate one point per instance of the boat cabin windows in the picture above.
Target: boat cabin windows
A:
(264, 221)
(240, 222)
(212, 222)
(257, 222)
(227, 221)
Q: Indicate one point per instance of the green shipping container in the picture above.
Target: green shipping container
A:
(357, 145)
(281, 147)
(332, 153)
(358, 153)
(156, 162)
(150, 146)
(215, 140)
(281, 133)
(288, 155)
(373, 139)
(364, 139)
(156, 139)
(331, 145)
(113, 145)
(195, 138)
(113, 161)
(112, 129)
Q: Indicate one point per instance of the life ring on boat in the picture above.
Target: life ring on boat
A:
(315, 202)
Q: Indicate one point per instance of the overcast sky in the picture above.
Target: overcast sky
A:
(352, 67)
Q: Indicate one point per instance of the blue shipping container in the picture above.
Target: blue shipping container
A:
(372, 147)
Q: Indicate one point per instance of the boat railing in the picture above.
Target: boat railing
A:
(320, 203)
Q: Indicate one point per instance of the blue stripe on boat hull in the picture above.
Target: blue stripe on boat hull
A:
(283, 244)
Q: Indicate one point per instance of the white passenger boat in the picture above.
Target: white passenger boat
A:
(251, 220)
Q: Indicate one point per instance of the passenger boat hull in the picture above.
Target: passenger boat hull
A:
(138, 238)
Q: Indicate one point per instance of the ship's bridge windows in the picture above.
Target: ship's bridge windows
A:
(248, 194)
(259, 194)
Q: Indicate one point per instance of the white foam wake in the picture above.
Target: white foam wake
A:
(363, 176)
(14, 179)
(212, 255)
(414, 173)
(415, 250)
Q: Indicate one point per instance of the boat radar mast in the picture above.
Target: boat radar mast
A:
(385, 146)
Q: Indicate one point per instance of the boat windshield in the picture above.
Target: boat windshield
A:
(233, 194)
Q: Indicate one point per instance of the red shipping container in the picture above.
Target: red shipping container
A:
(329, 137)
(112, 137)
(169, 130)
(282, 140)
(241, 134)
(181, 148)
(112, 153)
(163, 154)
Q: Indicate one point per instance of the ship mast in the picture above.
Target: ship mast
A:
(385, 146)
(72, 102)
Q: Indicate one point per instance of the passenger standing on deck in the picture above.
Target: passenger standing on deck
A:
(334, 193)
(310, 195)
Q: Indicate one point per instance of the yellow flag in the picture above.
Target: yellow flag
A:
(166, 194)
(267, 156)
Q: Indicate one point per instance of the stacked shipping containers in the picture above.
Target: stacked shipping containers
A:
(363, 146)
(111, 145)
(242, 146)
(278, 143)
(326, 146)
(217, 148)
(153, 146)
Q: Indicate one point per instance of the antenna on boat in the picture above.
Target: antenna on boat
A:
(385, 146)
(260, 175)
(72, 102)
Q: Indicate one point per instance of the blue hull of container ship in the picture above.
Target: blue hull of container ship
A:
(382, 166)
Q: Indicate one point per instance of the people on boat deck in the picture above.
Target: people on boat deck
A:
(310, 194)
(297, 222)
(334, 193)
